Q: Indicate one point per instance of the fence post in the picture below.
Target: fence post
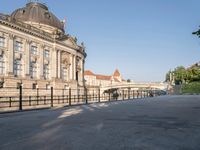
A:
(29, 100)
(86, 96)
(51, 96)
(78, 94)
(123, 94)
(99, 97)
(10, 99)
(109, 96)
(63, 95)
(20, 97)
(37, 96)
(70, 96)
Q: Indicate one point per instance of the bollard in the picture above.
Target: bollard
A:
(20, 97)
(70, 94)
(51, 96)
(99, 96)
(123, 94)
(10, 102)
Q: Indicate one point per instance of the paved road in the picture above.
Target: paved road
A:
(161, 123)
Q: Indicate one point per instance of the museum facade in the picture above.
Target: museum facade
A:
(35, 51)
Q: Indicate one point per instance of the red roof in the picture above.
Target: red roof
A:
(88, 72)
(116, 73)
(103, 77)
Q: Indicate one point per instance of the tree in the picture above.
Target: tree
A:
(167, 76)
(180, 75)
(197, 32)
(128, 80)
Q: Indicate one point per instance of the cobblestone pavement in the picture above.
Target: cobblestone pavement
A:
(160, 123)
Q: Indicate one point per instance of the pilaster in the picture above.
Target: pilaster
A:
(59, 64)
(54, 64)
(11, 54)
(27, 58)
(41, 62)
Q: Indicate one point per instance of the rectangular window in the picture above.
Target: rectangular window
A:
(18, 46)
(2, 65)
(17, 67)
(46, 72)
(46, 53)
(34, 86)
(34, 50)
(33, 70)
(64, 73)
(2, 42)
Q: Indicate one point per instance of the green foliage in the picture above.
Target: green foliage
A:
(180, 75)
(197, 33)
(184, 76)
(128, 80)
(193, 87)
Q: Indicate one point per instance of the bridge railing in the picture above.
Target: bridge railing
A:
(24, 98)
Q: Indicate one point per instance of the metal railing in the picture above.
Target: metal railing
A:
(25, 98)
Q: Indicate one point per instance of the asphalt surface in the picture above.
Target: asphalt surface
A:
(160, 123)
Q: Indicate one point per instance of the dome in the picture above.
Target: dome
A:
(37, 13)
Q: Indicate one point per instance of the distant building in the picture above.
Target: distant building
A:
(36, 51)
(92, 79)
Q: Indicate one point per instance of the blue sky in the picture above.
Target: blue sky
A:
(142, 38)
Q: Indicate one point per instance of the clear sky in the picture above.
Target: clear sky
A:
(142, 38)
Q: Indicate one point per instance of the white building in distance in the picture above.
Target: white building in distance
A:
(92, 79)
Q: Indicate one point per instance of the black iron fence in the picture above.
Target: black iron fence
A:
(24, 98)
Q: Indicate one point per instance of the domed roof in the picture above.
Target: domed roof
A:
(37, 13)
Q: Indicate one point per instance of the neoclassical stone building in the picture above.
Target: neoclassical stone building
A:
(36, 51)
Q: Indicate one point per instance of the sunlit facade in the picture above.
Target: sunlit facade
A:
(35, 50)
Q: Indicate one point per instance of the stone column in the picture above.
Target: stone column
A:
(54, 64)
(83, 70)
(71, 68)
(11, 54)
(27, 59)
(74, 67)
(59, 64)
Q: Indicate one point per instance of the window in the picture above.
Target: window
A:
(46, 72)
(34, 86)
(17, 67)
(2, 65)
(2, 42)
(46, 53)
(33, 70)
(18, 46)
(34, 50)
(64, 74)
